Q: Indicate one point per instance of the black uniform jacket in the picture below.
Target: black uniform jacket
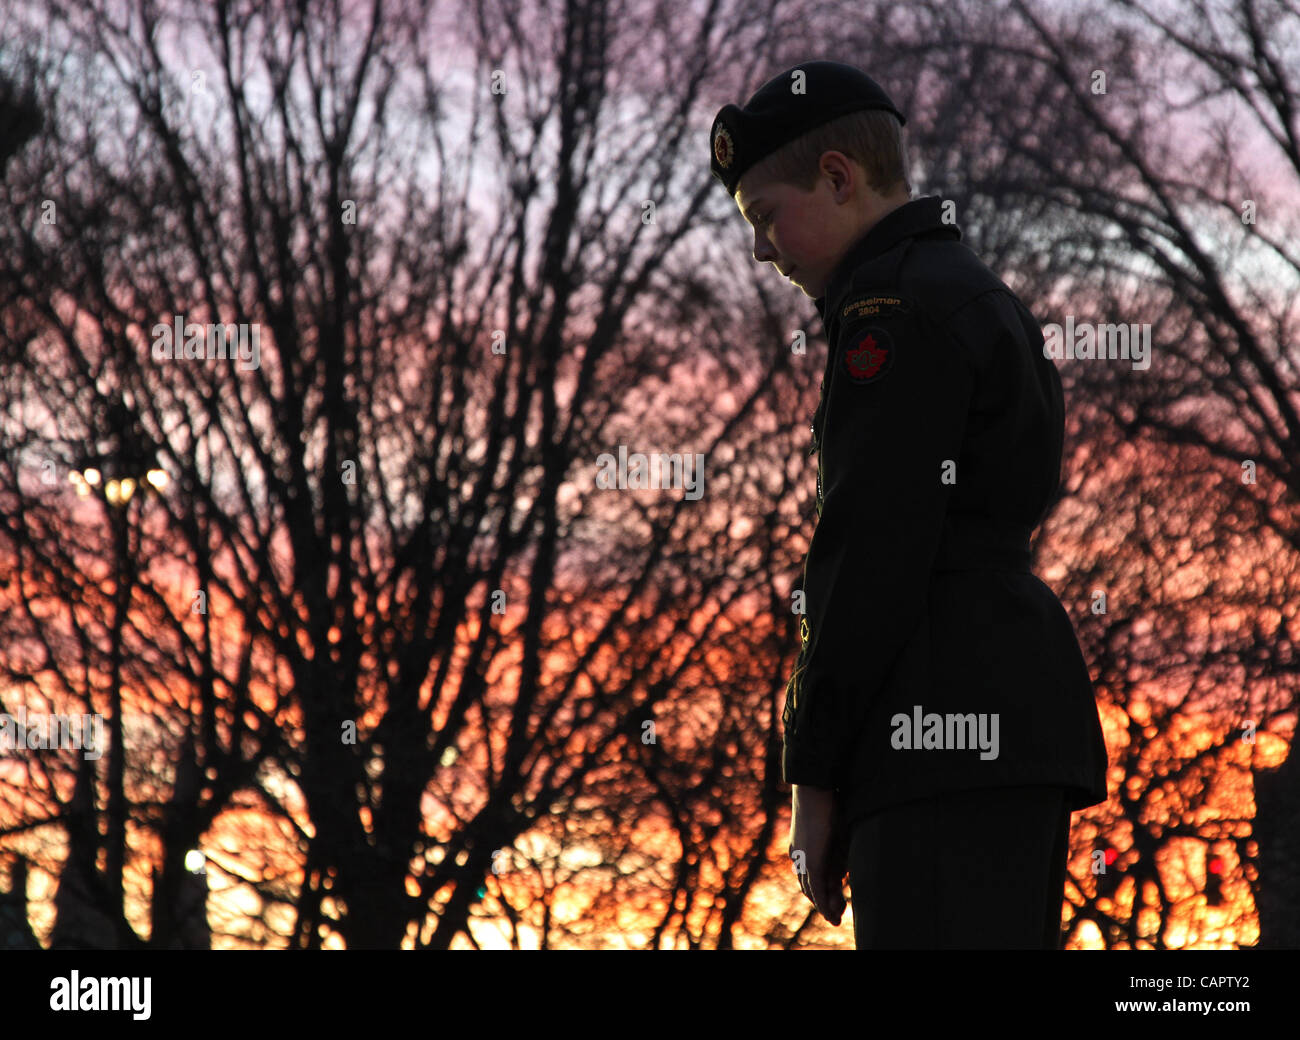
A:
(939, 433)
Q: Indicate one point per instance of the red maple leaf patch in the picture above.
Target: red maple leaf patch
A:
(866, 359)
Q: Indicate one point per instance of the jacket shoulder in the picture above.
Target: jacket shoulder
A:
(939, 275)
(945, 276)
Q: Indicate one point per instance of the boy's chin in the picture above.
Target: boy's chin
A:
(807, 288)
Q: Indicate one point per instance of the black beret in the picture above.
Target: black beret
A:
(776, 114)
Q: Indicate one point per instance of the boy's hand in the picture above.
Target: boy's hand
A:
(815, 831)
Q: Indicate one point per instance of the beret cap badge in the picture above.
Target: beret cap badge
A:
(724, 149)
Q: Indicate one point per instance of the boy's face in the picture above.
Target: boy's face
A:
(805, 234)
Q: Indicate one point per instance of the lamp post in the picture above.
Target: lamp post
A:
(116, 468)
(20, 119)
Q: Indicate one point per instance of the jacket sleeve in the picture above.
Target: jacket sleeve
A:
(893, 420)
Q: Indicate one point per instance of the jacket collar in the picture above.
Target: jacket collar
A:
(917, 217)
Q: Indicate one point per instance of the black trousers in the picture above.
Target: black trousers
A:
(982, 869)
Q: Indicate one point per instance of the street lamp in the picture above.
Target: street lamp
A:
(121, 466)
(117, 490)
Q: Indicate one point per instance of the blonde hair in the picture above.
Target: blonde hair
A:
(872, 138)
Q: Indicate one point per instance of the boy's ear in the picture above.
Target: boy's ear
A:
(842, 166)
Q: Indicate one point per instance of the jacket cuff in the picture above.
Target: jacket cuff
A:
(803, 764)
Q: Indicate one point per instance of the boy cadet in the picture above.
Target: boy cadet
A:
(940, 724)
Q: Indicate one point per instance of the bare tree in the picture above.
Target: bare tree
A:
(381, 602)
